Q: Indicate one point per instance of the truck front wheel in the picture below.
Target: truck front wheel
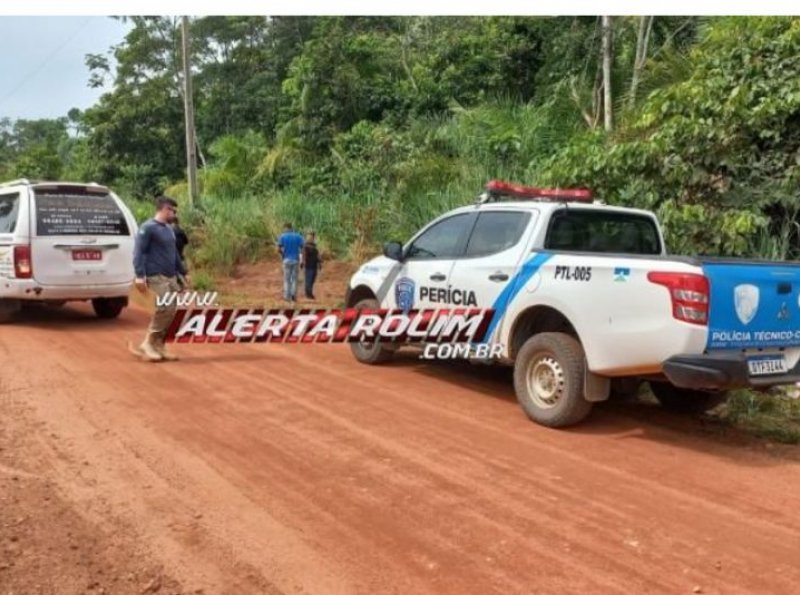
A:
(685, 400)
(549, 378)
(370, 352)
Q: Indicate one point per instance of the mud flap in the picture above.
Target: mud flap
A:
(596, 388)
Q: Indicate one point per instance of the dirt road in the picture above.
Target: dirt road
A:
(292, 469)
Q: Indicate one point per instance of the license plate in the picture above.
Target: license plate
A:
(764, 366)
(87, 255)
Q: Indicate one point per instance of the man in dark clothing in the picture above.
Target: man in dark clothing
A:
(312, 262)
(158, 267)
(181, 239)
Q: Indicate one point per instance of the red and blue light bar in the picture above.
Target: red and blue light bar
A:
(498, 187)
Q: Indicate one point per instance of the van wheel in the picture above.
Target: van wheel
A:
(686, 400)
(548, 379)
(108, 307)
(8, 309)
(370, 352)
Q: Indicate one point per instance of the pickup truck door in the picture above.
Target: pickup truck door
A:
(422, 278)
(495, 250)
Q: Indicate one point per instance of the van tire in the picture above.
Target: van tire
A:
(370, 353)
(8, 310)
(685, 400)
(108, 308)
(549, 373)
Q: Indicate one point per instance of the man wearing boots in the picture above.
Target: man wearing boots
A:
(158, 267)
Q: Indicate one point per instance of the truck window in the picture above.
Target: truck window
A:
(442, 240)
(598, 231)
(71, 212)
(496, 231)
(9, 210)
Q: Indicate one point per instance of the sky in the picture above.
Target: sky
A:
(42, 70)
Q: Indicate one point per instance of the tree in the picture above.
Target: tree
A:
(642, 43)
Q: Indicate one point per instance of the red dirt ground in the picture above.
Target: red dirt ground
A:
(292, 469)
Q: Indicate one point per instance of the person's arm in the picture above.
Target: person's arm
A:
(279, 243)
(140, 249)
(302, 251)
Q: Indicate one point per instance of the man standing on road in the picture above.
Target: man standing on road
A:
(312, 263)
(158, 267)
(181, 239)
(290, 244)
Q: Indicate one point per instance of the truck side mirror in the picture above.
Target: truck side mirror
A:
(393, 250)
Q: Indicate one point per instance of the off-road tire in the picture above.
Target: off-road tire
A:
(370, 353)
(8, 310)
(549, 375)
(108, 308)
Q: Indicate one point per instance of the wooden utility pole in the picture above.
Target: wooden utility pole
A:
(608, 34)
(191, 145)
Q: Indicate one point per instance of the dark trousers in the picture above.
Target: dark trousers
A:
(311, 276)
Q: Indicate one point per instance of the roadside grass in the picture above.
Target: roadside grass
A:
(203, 281)
(773, 416)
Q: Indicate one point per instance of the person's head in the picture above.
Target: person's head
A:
(166, 209)
(287, 226)
(311, 236)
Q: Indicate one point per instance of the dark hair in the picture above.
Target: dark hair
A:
(165, 201)
(287, 225)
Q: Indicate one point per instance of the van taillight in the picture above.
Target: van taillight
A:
(23, 267)
(689, 294)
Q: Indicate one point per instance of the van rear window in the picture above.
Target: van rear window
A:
(65, 213)
(9, 210)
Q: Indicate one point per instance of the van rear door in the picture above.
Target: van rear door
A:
(81, 235)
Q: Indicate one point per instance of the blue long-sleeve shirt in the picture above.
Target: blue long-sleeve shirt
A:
(156, 252)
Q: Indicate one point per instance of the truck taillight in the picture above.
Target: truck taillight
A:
(23, 267)
(689, 294)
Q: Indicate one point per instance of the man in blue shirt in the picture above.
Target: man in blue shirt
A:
(290, 244)
(158, 267)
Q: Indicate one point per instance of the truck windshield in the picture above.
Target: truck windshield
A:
(70, 211)
(598, 231)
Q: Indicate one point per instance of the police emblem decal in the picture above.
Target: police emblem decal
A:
(745, 299)
(404, 293)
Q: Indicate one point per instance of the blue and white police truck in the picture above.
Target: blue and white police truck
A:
(587, 302)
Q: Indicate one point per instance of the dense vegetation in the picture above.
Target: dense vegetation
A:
(364, 128)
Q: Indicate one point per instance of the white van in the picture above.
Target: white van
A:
(64, 241)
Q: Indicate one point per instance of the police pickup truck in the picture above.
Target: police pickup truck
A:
(587, 302)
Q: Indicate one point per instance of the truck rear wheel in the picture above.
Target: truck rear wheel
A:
(370, 352)
(108, 307)
(548, 380)
(685, 400)
(8, 309)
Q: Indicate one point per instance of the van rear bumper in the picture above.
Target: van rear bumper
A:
(721, 371)
(30, 289)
